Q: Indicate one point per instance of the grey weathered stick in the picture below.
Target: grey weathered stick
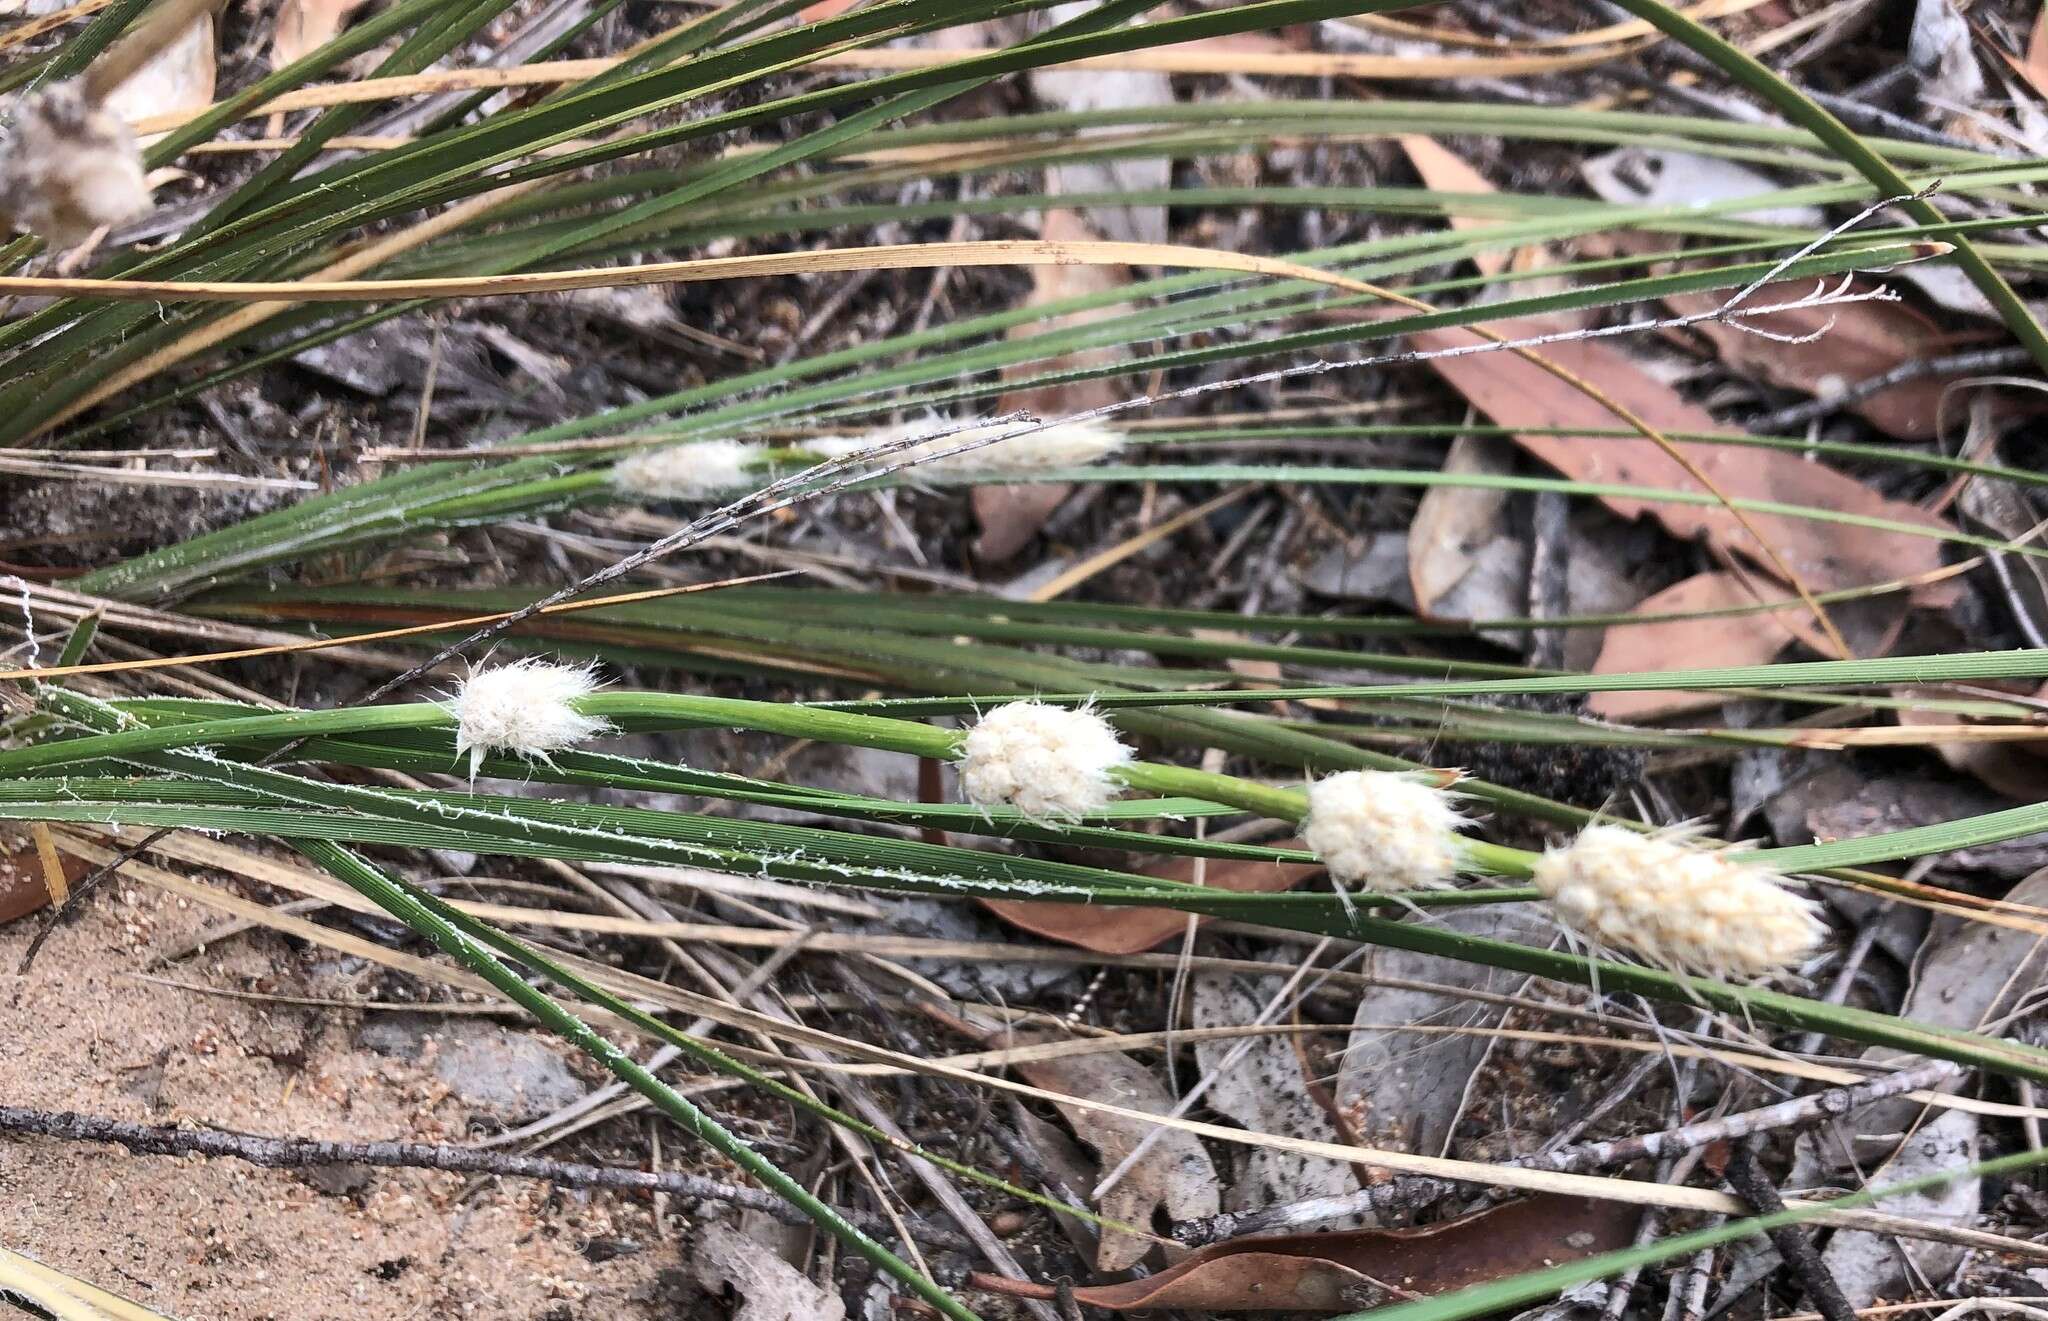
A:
(1797, 1112)
(299, 1153)
(1405, 1195)
(1977, 360)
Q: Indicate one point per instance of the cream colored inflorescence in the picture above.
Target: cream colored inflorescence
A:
(1677, 906)
(69, 167)
(1384, 831)
(524, 708)
(1049, 762)
(1067, 445)
(697, 471)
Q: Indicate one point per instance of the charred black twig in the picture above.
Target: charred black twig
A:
(1794, 1244)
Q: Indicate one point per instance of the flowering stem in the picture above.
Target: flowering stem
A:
(1290, 805)
(650, 711)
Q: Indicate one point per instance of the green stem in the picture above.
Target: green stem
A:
(535, 829)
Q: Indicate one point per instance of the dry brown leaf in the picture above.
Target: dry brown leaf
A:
(1174, 1173)
(22, 888)
(1445, 171)
(1364, 1268)
(1854, 342)
(2033, 66)
(2036, 64)
(1135, 930)
(304, 26)
(1687, 644)
(2019, 770)
(1011, 515)
(1515, 392)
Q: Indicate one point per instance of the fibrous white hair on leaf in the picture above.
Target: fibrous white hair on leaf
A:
(524, 708)
(1384, 831)
(1676, 905)
(1051, 763)
(69, 167)
(696, 471)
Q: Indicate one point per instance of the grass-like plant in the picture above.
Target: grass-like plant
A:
(568, 181)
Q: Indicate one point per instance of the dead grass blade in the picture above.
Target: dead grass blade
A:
(384, 635)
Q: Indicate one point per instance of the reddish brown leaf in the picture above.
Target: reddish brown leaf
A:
(1686, 644)
(1515, 392)
(2037, 53)
(1349, 1271)
(1854, 343)
(1445, 171)
(2033, 66)
(22, 888)
(1135, 930)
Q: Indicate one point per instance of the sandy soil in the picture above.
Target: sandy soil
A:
(224, 1241)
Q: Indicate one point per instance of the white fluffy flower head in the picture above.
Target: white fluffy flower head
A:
(69, 167)
(695, 471)
(1675, 905)
(523, 708)
(1048, 762)
(1384, 831)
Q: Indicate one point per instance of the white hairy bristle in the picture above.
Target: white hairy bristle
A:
(1049, 762)
(1675, 905)
(69, 167)
(1068, 445)
(523, 708)
(1383, 831)
(837, 447)
(694, 471)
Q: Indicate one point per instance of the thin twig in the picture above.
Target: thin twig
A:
(1793, 1243)
(1977, 360)
(300, 1153)
(1406, 1195)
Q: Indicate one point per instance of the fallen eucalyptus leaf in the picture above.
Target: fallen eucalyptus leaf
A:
(1174, 1174)
(1516, 392)
(1357, 1269)
(1263, 1087)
